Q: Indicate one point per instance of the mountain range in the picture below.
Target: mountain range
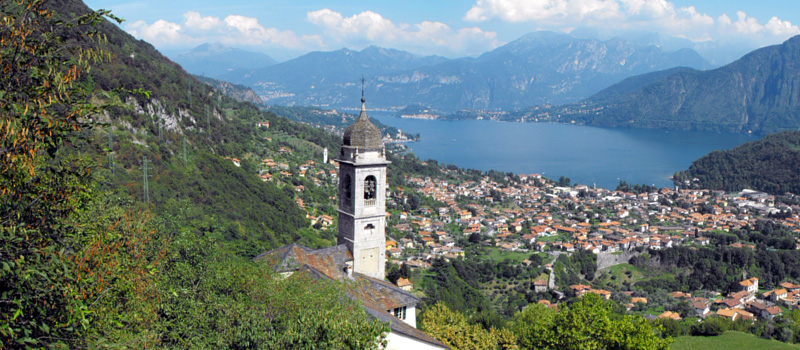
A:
(215, 60)
(538, 68)
(759, 93)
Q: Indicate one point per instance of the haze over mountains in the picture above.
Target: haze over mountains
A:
(214, 60)
(538, 68)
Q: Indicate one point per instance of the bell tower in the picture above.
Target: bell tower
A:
(362, 196)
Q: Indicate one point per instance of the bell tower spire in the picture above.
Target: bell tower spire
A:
(363, 100)
(362, 195)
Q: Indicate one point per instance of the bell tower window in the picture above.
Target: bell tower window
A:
(370, 190)
(347, 187)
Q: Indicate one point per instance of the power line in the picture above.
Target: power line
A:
(145, 184)
(184, 151)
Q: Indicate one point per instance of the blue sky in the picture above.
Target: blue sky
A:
(453, 28)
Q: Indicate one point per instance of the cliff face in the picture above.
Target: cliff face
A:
(237, 92)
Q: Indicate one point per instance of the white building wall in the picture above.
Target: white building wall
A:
(396, 341)
(411, 316)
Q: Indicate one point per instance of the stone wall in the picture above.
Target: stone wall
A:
(606, 259)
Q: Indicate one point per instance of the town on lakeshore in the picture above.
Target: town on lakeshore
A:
(528, 214)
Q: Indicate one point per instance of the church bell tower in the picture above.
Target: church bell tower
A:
(362, 196)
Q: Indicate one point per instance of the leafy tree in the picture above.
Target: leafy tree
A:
(454, 330)
(214, 299)
(46, 287)
(534, 327)
(590, 323)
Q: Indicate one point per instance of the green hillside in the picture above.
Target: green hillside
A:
(729, 340)
(101, 248)
(771, 164)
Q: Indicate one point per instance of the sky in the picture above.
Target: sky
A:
(285, 29)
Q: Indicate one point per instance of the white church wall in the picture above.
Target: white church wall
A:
(395, 341)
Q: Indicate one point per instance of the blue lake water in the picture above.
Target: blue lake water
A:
(587, 155)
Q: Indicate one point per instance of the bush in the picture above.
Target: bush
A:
(711, 327)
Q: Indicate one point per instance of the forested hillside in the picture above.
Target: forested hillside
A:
(771, 164)
(123, 219)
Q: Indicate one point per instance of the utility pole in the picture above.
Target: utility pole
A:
(145, 185)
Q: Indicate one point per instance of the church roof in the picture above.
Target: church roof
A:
(376, 295)
(363, 133)
(329, 261)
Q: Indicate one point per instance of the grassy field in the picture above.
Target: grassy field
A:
(730, 341)
(496, 254)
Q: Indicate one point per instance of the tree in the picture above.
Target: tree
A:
(43, 104)
(454, 329)
(587, 324)
(534, 327)
(213, 299)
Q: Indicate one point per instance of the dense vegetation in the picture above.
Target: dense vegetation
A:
(86, 261)
(771, 164)
(590, 323)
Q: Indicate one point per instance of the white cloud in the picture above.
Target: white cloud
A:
(650, 15)
(781, 28)
(335, 31)
(232, 30)
(195, 21)
(160, 31)
(370, 28)
(748, 29)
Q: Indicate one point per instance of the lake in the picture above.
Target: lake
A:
(586, 155)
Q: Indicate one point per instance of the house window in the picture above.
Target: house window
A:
(399, 312)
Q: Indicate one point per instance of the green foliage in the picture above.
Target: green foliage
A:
(590, 323)
(711, 327)
(83, 265)
(730, 340)
(770, 165)
(43, 102)
(718, 268)
(456, 331)
(214, 299)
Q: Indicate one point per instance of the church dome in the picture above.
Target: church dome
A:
(362, 133)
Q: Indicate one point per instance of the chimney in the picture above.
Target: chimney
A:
(349, 268)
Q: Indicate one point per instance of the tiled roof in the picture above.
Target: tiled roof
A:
(375, 295)
(330, 261)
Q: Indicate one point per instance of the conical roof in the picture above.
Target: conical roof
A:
(363, 133)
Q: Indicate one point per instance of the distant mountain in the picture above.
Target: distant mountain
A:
(539, 68)
(771, 164)
(215, 60)
(326, 78)
(758, 93)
